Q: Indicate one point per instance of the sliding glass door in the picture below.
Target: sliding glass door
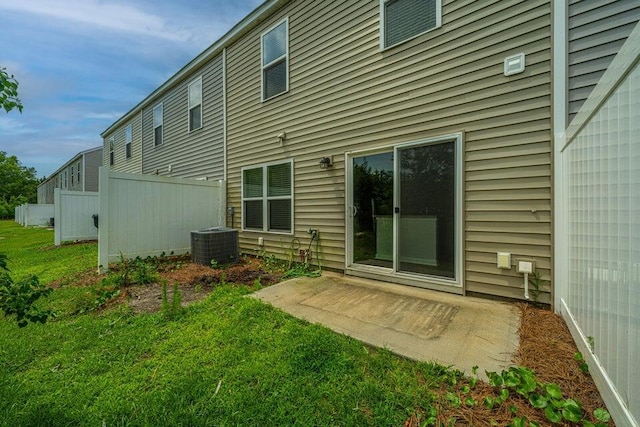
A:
(403, 210)
(372, 210)
(426, 214)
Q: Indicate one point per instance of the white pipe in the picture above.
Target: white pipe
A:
(526, 285)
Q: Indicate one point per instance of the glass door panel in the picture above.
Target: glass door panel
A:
(372, 210)
(426, 200)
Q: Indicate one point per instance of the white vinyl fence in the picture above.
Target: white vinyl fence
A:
(33, 214)
(147, 215)
(74, 212)
(599, 245)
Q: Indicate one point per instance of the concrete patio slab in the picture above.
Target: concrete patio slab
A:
(420, 324)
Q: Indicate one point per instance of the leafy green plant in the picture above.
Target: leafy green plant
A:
(145, 272)
(9, 91)
(543, 396)
(214, 263)
(581, 362)
(19, 298)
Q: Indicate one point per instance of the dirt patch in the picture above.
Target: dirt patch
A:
(194, 281)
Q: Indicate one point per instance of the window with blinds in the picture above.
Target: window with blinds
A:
(405, 19)
(267, 192)
(275, 60)
(128, 137)
(158, 119)
(195, 104)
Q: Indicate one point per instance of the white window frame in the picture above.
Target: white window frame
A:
(128, 139)
(112, 157)
(382, 25)
(153, 114)
(191, 107)
(265, 198)
(263, 66)
(72, 175)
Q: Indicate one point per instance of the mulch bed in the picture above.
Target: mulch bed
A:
(546, 347)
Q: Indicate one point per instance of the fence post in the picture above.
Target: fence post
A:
(103, 220)
(222, 199)
(57, 217)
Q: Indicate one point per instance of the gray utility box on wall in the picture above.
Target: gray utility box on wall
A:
(216, 243)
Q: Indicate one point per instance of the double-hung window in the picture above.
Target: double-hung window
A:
(128, 137)
(402, 20)
(73, 174)
(78, 169)
(158, 118)
(111, 156)
(275, 60)
(267, 197)
(195, 104)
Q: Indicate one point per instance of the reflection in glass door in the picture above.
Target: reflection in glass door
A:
(372, 210)
(426, 199)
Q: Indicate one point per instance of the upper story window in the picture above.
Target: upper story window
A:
(402, 20)
(111, 156)
(128, 137)
(158, 117)
(195, 104)
(73, 174)
(275, 60)
(267, 197)
(78, 169)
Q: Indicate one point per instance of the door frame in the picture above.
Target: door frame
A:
(392, 274)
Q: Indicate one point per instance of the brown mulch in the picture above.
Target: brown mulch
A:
(546, 347)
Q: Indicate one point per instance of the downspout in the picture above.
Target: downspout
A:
(224, 115)
(559, 125)
(224, 137)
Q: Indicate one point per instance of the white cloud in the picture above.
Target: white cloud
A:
(104, 116)
(100, 14)
(11, 126)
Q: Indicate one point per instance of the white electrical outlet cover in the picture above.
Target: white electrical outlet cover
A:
(525, 267)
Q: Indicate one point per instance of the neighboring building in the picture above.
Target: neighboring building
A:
(78, 174)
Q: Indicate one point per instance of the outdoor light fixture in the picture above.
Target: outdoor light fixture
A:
(326, 163)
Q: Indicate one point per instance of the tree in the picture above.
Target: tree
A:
(18, 184)
(9, 91)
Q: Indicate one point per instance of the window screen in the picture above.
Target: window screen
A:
(195, 105)
(404, 19)
(267, 202)
(157, 124)
(274, 61)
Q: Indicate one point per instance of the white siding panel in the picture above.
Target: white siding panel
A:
(74, 212)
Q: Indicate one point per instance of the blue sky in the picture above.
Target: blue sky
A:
(81, 64)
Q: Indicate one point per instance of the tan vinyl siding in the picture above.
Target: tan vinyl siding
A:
(597, 30)
(121, 163)
(346, 95)
(194, 154)
(92, 163)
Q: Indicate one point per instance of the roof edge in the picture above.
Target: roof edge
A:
(248, 22)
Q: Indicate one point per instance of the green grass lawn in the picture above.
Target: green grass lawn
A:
(226, 361)
(32, 251)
